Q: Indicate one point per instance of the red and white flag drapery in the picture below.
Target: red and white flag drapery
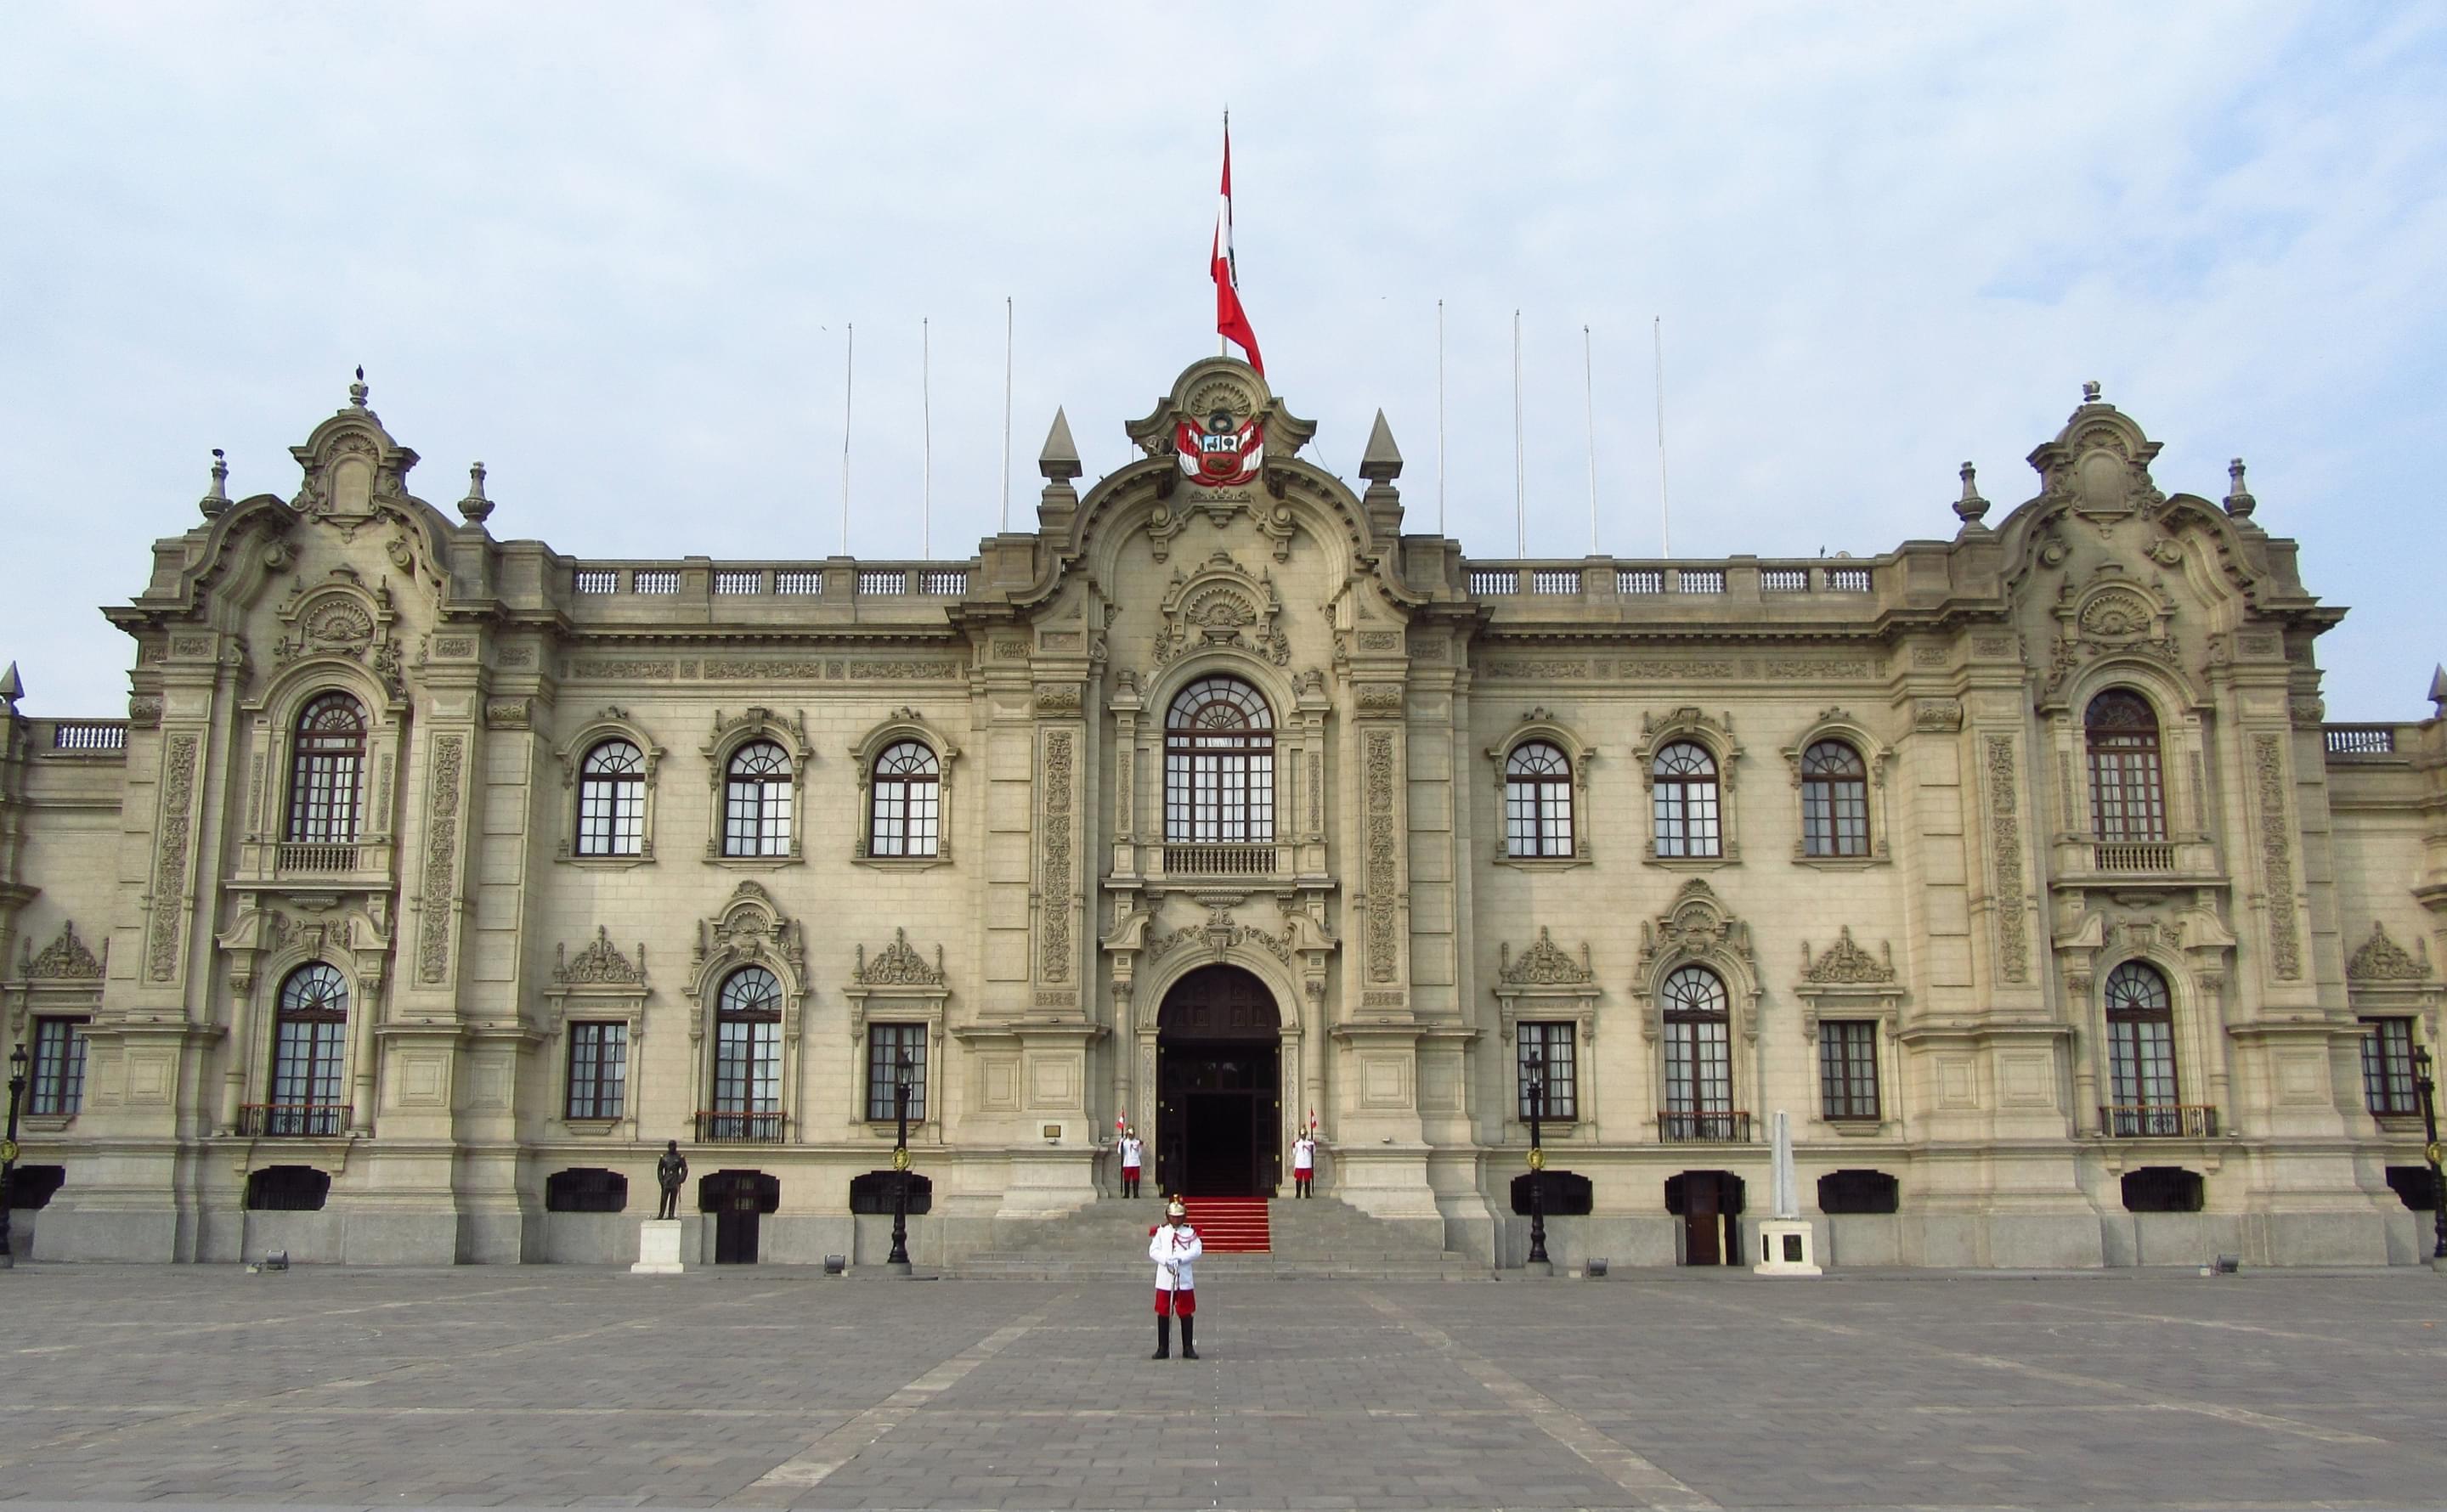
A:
(1231, 321)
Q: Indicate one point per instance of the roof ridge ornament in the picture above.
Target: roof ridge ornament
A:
(358, 391)
(216, 501)
(476, 507)
(2239, 501)
(1971, 508)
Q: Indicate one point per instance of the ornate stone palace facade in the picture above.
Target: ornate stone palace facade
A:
(434, 879)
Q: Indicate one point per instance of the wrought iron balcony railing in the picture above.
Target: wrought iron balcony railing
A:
(730, 1126)
(2158, 1121)
(294, 1119)
(1703, 1128)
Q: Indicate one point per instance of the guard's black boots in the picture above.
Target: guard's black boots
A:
(1188, 1332)
(1164, 1337)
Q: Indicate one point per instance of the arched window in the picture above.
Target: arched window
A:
(2141, 1053)
(904, 816)
(1698, 1056)
(1537, 801)
(1686, 800)
(1219, 764)
(747, 1058)
(310, 1053)
(756, 801)
(327, 759)
(612, 801)
(1835, 800)
(2128, 800)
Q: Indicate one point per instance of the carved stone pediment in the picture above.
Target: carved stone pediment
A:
(65, 958)
(2381, 959)
(341, 617)
(599, 964)
(1222, 604)
(1846, 964)
(748, 926)
(897, 965)
(1697, 926)
(1544, 964)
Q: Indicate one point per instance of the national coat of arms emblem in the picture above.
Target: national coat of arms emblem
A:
(1223, 453)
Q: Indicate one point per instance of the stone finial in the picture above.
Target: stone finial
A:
(358, 390)
(476, 507)
(1060, 460)
(216, 501)
(1971, 508)
(2090, 392)
(1383, 462)
(12, 688)
(2437, 690)
(2239, 501)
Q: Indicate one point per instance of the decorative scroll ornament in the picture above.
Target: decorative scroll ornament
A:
(600, 964)
(1696, 927)
(2381, 959)
(63, 959)
(1545, 964)
(899, 965)
(1846, 964)
(1222, 605)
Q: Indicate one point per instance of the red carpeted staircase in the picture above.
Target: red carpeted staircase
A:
(1231, 1225)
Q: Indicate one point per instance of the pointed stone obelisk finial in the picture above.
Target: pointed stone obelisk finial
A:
(1971, 508)
(216, 501)
(1383, 462)
(2239, 501)
(12, 688)
(476, 507)
(358, 390)
(1060, 460)
(2437, 690)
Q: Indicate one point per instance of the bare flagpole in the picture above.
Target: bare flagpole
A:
(926, 436)
(1664, 508)
(1520, 468)
(1589, 413)
(849, 374)
(1440, 417)
(1004, 521)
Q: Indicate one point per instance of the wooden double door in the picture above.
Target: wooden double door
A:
(1218, 1087)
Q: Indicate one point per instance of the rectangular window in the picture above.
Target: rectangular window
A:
(2128, 801)
(59, 1068)
(1835, 819)
(886, 1044)
(2387, 1067)
(1553, 1043)
(747, 1066)
(598, 1069)
(1847, 1069)
(1698, 1068)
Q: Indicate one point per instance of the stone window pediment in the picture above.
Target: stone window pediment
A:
(1542, 726)
(1697, 929)
(733, 735)
(1847, 982)
(904, 724)
(1546, 982)
(1219, 606)
(608, 723)
(1697, 828)
(1840, 727)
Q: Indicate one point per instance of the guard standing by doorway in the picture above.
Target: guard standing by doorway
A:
(1132, 1151)
(1174, 1246)
(1303, 1160)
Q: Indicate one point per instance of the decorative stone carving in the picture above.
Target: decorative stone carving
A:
(1942, 715)
(751, 926)
(1378, 786)
(1696, 926)
(1846, 964)
(1220, 604)
(1378, 698)
(2276, 855)
(1544, 964)
(600, 964)
(170, 858)
(2005, 845)
(2381, 959)
(897, 965)
(64, 959)
(440, 891)
(1056, 888)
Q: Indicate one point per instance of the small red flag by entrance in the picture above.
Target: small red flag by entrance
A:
(1231, 321)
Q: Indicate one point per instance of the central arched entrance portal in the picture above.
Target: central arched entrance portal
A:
(1218, 1074)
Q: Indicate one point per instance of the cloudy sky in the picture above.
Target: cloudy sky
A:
(614, 253)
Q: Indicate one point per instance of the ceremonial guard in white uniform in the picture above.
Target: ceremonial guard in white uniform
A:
(1174, 1246)
(1131, 1152)
(1304, 1161)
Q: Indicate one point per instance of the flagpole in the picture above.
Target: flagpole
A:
(1664, 507)
(1589, 414)
(1440, 417)
(849, 374)
(926, 437)
(1004, 521)
(1520, 468)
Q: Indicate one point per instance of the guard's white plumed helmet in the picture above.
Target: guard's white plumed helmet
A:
(1176, 1210)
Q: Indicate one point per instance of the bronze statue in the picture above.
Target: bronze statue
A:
(669, 1172)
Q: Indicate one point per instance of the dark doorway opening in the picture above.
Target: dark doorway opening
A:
(1710, 1205)
(1218, 1074)
(738, 1200)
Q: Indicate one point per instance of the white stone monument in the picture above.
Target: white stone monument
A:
(658, 1248)
(1787, 1246)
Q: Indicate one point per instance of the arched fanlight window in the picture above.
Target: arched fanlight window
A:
(1685, 799)
(2141, 1052)
(2128, 798)
(747, 1056)
(1219, 764)
(756, 801)
(326, 767)
(1537, 801)
(904, 817)
(309, 1052)
(612, 801)
(1698, 1054)
(1835, 800)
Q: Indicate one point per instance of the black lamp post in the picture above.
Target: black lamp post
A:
(2429, 1150)
(1537, 1088)
(8, 1148)
(898, 1260)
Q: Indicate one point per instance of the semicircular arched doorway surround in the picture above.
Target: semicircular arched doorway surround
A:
(1218, 1074)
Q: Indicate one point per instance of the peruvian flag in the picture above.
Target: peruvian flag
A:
(1231, 321)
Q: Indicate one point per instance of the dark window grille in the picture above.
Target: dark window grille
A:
(585, 1189)
(872, 1192)
(748, 1044)
(1685, 797)
(1698, 1054)
(2142, 1040)
(1219, 764)
(58, 1086)
(327, 762)
(905, 815)
(2387, 1067)
(1554, 1044)
(1835, 800)
(886, 1044)
(32, 1187)
(1847, 1069)
(598, 1069)
(309, 1053)
(612, 801)
(2128, 800)
(1537, 801)
(756, 801)
(2162, 1189)
(1857, 1192)
(286, 1189)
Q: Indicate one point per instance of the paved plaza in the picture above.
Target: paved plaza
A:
(769, 1388)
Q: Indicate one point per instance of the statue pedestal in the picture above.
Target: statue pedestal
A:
(1787, 1247)
(658, 1248)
